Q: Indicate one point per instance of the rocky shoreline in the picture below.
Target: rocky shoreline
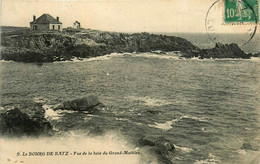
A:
(32, 122)
(23, 45)
(25, 121)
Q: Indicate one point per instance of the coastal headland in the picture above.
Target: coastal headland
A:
(22, 45)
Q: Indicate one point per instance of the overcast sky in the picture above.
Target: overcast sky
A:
(121, 15)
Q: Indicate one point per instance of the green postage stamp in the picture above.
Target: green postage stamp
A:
(241, 11)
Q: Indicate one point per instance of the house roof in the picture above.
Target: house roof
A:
(76, 22)
(46, 19)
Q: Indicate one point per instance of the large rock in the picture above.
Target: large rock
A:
(256, 54)
(253, 145)
(224, 51)
(160, 147)
(90, 104)
(18, 122)
(219, 51)
(160, 144)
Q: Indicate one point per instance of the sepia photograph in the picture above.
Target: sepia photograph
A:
(129, 82)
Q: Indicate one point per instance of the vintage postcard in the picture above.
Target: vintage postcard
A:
(130, 82)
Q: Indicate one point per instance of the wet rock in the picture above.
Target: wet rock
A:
(162, 145)
(247, 146)
(219, 51)
(256, 54)
(17, 122)
(250, 146)
(154, 111)
(91, 104)
(224, 51)
(144, 141)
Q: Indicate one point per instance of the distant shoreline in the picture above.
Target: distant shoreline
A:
(22, 45)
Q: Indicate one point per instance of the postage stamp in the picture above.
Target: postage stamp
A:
(235, 16)
(241, 11)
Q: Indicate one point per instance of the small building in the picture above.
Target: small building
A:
(76, 25)
(46, 22)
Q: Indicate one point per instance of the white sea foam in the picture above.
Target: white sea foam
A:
(46, 107)
(206, 130)
(164, 126)
(39, 99)
(168, 124)
(149, 101)
(6, 61)
(138, 123)
(1, 108)
(176, 120)
(188, 117)
(166, 55)
(50, 114)
(98, 58)
(159, 56)
(241, 151)
(183, 149)
(195, 118)
(74, 144)
(177, 56)
(212, 159)
(122, 119)
(104, 57)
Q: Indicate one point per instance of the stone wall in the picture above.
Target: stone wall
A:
(40, 27)
(55, 27)
(46, 27)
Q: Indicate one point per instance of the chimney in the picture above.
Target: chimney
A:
(34, 18)
(58, 19)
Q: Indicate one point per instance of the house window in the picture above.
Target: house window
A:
(53, 27)
(59, 27)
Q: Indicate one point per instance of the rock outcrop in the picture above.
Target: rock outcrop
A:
(56, 46)
(29, 46)
(20, 122)
(161, 144)
(160, 147)
(220, 51)
(224, 51)
(90, 104)
(250, 146)
(256, 54)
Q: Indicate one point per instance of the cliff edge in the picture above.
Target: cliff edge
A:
(27, 46)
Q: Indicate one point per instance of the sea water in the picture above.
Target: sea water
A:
(208, 108)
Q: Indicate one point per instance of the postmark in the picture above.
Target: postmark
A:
(241, 11)
(223, 16)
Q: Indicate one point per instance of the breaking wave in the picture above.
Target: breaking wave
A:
(164, 126)
(212, 159)
(67, 149)
(148, 101)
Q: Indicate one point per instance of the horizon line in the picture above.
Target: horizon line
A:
(192, 32)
